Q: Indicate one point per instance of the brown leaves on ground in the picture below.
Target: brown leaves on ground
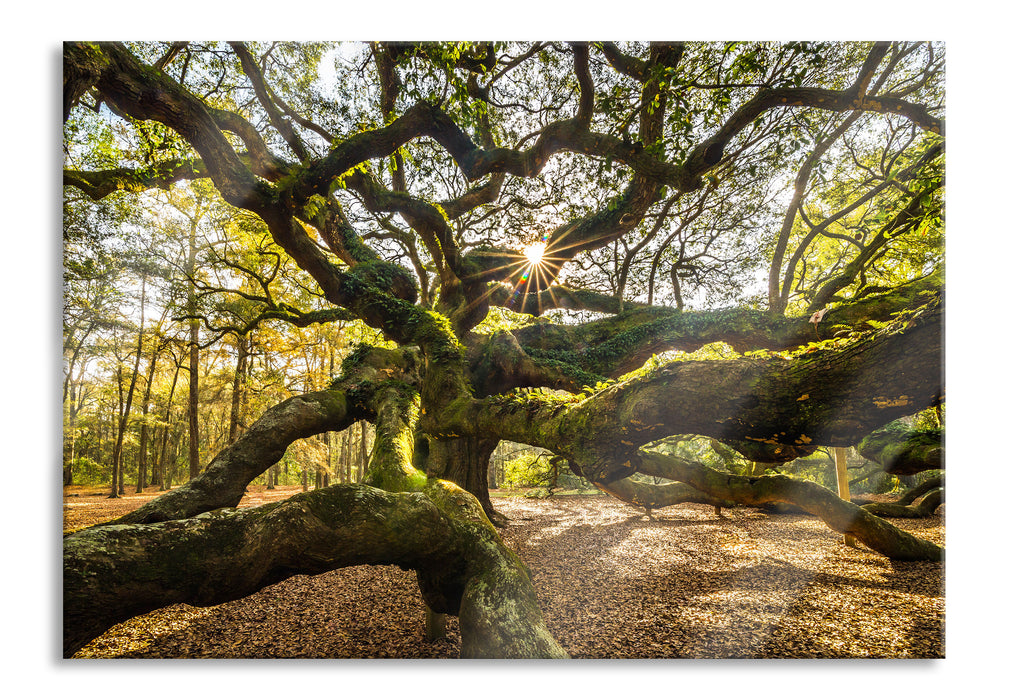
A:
(612, 584)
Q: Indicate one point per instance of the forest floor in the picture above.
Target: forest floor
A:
(612, 583)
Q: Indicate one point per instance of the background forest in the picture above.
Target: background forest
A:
(184, 320)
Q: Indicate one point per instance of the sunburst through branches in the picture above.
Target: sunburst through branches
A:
(538, 273)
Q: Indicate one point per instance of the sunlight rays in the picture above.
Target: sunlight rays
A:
(534, 253)
(535, 269)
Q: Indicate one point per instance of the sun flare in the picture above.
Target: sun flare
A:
(534, 253)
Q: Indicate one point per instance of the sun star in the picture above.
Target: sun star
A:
(534, 253)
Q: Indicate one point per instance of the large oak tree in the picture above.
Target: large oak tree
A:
(541, 232)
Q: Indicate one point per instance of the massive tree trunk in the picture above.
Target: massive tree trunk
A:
(464, 461)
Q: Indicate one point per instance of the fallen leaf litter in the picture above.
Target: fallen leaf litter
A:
(612, 583)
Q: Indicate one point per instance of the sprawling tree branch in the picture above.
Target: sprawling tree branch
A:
(654, 496)
(829, 397)
(616, 345)
(222, 484)
(101, 183)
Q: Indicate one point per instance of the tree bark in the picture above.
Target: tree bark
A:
(770, 409)
(911, 495)
(654, 496)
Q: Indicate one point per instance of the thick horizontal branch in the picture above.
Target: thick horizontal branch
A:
(112, 573)
(832, 397)
(924, 508)
(653, 496)
(613, 346)
(98, 184)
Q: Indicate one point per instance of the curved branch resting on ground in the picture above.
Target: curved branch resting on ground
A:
(926, 507)
(112, 573)
(839, 515)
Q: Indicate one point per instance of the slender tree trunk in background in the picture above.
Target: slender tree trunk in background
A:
(194, 357)
(167, 431)
(304, 478)
(330, 456)
(194, 400)
(270, 477)
(362, 455)
(156, 433)
(142, 456)
(841, 467)
(72, 408)
(117, 454)
(70, 391)
(238, 389)
(101, 440)
(345, 456)
(117, 448)
(173, 467)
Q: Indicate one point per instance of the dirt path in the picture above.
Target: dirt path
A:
(612, 584)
